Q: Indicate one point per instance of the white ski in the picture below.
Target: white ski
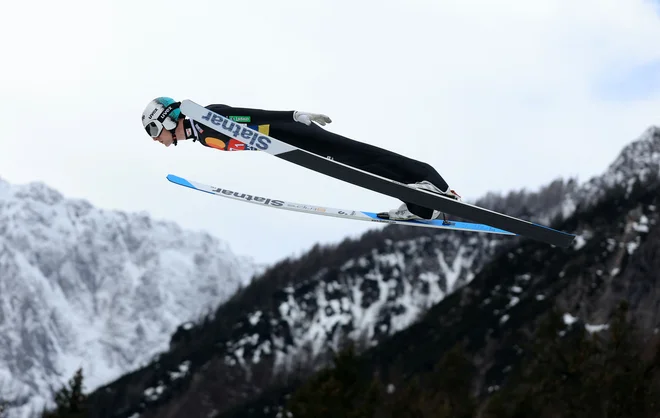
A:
(327, 211)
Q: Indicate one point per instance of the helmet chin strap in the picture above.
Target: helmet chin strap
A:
(173, 132)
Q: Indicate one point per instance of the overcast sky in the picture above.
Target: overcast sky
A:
(506, 95)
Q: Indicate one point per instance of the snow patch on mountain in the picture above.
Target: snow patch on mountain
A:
(368, 298)
(638, 161)
(97, 289)
(380, 294)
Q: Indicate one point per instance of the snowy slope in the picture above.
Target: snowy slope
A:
(369, 298)
(377, 295)
(102, 290)
(638, 161)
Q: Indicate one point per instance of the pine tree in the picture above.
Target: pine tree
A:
(575, 374)
(339, 391)
(404, 402)
(449, 385)
(70, 401)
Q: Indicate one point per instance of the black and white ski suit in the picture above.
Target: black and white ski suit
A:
(313, 138)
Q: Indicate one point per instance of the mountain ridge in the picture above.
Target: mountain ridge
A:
(96, 288)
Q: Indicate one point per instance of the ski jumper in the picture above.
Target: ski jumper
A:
(315, 139)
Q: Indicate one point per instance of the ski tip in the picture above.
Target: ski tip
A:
(180, 181)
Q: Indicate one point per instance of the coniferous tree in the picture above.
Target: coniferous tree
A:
(448, 389)
(566, 371)
(70, 400)
(578, 374)
(336, 391)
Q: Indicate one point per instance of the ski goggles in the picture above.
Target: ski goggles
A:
(155, 127)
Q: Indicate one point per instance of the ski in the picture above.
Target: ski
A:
(327, 211)
(344, 172)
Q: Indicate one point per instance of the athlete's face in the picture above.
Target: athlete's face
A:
(165, 138)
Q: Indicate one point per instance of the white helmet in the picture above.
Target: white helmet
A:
(161, 113)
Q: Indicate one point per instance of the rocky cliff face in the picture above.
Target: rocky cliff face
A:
(101, 290)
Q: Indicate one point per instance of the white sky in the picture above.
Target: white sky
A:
(507, 95)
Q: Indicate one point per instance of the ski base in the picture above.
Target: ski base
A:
(332, 212)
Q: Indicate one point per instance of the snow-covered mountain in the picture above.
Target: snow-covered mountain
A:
(376, 294)
(639, 161)
(97, 289)
(366, 290)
